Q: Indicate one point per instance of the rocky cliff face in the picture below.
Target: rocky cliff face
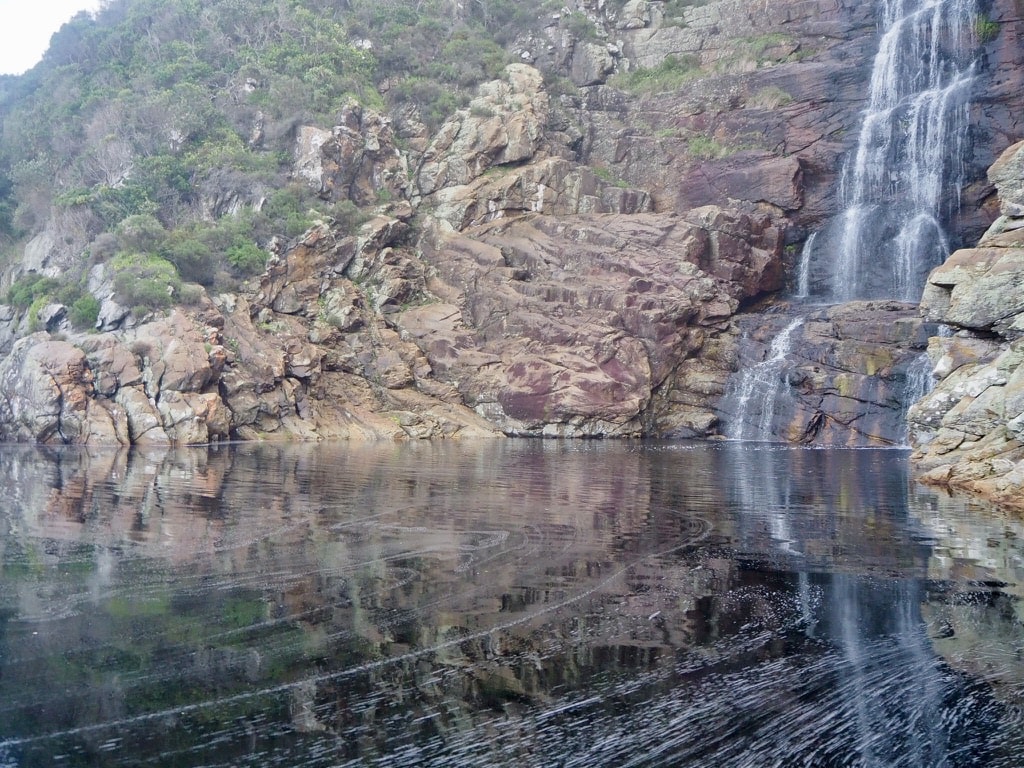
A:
(534, 325)
(566, 262)
(840, 375)
(969, 431)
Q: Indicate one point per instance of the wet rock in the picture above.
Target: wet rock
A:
(842, 379)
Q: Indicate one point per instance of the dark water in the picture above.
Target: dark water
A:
(503, 604)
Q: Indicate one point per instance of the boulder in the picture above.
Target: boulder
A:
(145, 424)
(592, 63)
(49, 395)
(978, 288)
(1007, 174)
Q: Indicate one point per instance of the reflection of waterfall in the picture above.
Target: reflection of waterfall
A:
(892, 699)
(894, 682)
(757, 390)
(908, 153)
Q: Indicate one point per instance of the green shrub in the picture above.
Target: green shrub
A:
(606, 175)
(84, 312)
(191, 294)
(985, 29)
(771, 97)
(667, 76)
(33, 312)
(141, 232)
(748, 53)
(247, 258)
(706, 147)
(145, 281)
(347, 216)
(30, 287)
(434, 101)
(579, 26)
(192, 257)
(286, 212)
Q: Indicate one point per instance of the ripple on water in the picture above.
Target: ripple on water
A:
(521, 604)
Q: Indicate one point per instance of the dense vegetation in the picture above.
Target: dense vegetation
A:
(141, 115)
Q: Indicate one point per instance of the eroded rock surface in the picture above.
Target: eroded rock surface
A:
(969, 431)
(842, 379)
(575, 326)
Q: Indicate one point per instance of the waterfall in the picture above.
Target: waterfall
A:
(919, 378)
(758, 388)
(898, 187)
(908, 155)
(803, 268)
(919, 382)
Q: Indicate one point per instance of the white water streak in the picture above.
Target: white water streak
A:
(803, 272)
(761, 385)
(915, 121)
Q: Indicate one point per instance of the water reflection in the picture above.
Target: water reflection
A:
(511, 603)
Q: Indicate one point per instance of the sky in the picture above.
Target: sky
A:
(26, 27)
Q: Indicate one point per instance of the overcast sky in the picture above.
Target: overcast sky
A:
(26, 26)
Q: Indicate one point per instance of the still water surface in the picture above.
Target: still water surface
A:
(503, 604)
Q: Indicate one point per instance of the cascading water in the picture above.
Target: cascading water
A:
(919, 378)
(803, 268)
(907, 166)
(898, 188)
(757, 390)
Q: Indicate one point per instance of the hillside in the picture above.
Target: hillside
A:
(315, 220)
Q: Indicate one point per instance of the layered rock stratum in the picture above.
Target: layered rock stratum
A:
(968, 432)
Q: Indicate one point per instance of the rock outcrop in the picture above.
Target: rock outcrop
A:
(583, 326)
(968, 433)
(842, 379)
(356, 160)
(534, 326)
(569, 261)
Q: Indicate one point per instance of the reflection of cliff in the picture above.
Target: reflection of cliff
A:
(269, 602)
(980, 628)
(184, 566)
